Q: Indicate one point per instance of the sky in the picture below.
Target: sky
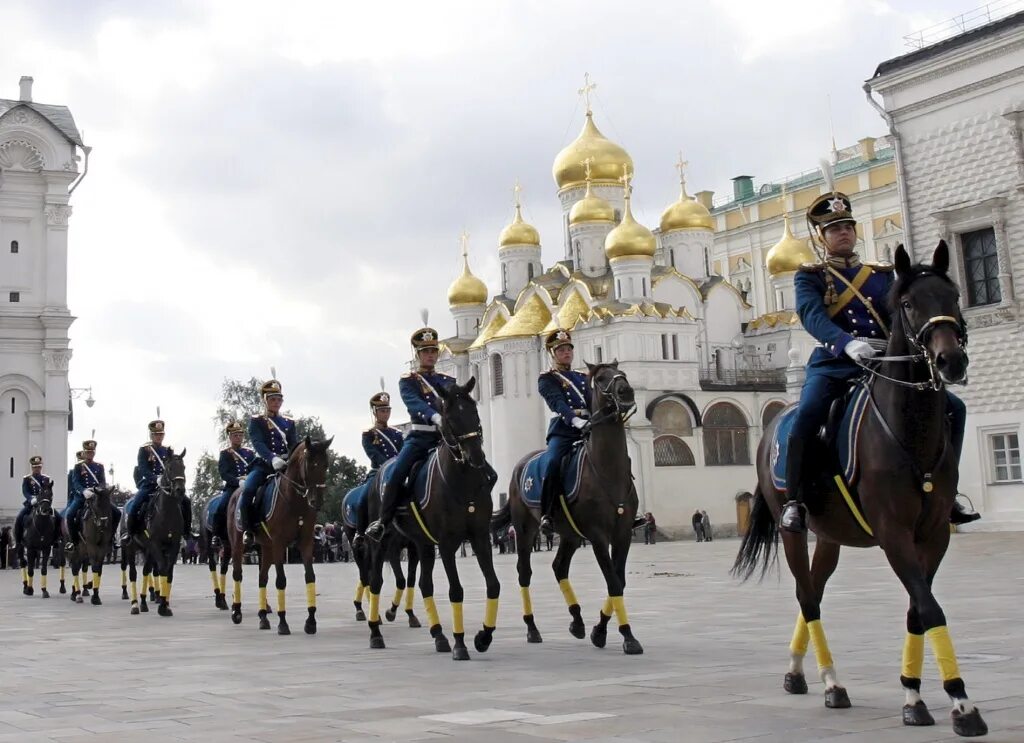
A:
(285, 184)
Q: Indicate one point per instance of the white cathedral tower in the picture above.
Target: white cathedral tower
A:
(39, 170)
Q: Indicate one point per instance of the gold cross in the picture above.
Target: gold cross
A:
(464, 243)
(586, 168)
(681, 167)
(626, 178)
(587, 89)
(516, 190)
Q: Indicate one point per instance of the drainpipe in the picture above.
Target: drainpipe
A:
(85, 170)
(901, 180)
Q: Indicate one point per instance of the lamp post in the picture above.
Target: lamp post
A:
(77, 392)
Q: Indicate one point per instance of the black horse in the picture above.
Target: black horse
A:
(602, 514)
(214, 546)
(92, 547)
(907, 485)
(38, 538)
(456, 482)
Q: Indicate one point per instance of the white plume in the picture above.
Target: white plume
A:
(158, 412)
(273, 373)
(382, 387)
(425, 315)
(829, 174)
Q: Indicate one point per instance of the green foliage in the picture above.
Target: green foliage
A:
(205, 484)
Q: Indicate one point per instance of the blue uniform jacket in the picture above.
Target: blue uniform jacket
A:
(380, 444)
(568, 396)
(265, 433)
(234, 465)
(417, 390)
(32, 486)
(852, 321)
(151, 464)
(87, 475)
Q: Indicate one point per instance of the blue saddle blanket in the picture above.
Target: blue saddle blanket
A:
(845, 439)
(216, 511)
(266, 502)
(353, 502)
(531, 482)
(422, 479)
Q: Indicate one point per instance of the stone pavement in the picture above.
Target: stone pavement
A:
(716, 652)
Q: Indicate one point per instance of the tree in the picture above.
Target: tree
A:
(205, 485)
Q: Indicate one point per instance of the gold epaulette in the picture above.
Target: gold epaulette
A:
(882, 267)
(812, 267)
(407, 375)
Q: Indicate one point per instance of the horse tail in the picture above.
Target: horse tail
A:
(761, 543)
(501, 518)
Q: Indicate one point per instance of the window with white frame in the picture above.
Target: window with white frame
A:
(981, 267)
(497, 375)
(1004, 452)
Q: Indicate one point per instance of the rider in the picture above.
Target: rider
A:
(381, 442)
(87, 475)
(419, 391)
(842, 303)
(273, 436)
(32, 485)
(150, 466)
(233, 464)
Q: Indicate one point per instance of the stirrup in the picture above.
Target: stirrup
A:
(69, 546)
(248, 538)
(793, 517)
(375, 531)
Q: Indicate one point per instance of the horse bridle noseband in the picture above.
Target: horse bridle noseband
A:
(303, 490)
(918, 343)
(456, 447)
(615, 408)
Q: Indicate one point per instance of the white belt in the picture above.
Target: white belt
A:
(422, 427)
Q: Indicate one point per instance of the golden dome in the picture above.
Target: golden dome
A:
(467, 289)
(606, 158)
(591, 208)
(686, 214)
(519, 232)
(630, 238)
(788, 253)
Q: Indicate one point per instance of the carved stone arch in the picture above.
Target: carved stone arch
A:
(24, 124)
(678, 397)
(27, 386)
(21, 155)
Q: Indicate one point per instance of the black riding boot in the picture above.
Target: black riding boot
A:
(962, 515)
(250, 520)
(19, 530)
(388, 504)
(186, 516)
(547, 499)
(74, 530)
(794, 516)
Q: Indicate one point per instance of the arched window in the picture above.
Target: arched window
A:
(497, 375)
(504, 278)
(14, 246)
(671, 421)
(771, 410)
(530, 269)
(725, 436)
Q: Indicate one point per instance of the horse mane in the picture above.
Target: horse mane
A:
(905, 280)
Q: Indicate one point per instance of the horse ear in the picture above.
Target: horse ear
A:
(183, 452)
(940, 259)
(308, 442)
(902, 260)
(590, 367)
(615, 363)
(470, 384)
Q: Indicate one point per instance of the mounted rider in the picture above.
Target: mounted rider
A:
(842, 303)
(273, 436)
(233, 464)
(86, 477)
(381, 442)
(150, 465)
(32, 486)
(420, 392)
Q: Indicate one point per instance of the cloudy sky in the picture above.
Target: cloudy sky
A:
(284, 184)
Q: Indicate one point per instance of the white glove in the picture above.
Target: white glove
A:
(859, 350)
(34, 501)
(579, 423)
(279, 464)
(436, 419)
(88, 493)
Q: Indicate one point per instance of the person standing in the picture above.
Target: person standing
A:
(697, 522)
(705, 525)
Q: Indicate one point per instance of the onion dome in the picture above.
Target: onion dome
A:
(606, 158)
(467, 289)
(789, 253)
(686, 214)
(591, 208)
(629, 239)
(518, 232)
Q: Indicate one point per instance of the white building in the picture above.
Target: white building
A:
(39, 168)
(956, 114)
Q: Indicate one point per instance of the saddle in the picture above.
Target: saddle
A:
(531, 483)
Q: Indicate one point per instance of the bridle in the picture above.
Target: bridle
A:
(302, 489)
(456, 443)
(615, 409)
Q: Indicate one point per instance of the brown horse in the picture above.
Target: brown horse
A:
(301, 494)
(602, 514)
(907, 484)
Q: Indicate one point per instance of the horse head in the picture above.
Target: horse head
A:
(311, 458)
(613, 397)
(927, 304)
(98, 507)
(44, 502)
(172, 479)
(460, 424)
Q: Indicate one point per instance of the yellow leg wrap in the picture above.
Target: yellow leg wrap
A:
(62, 572)
(431, 607)
(223, 582)
(237, 598)
(566, 588)
(96, 581)
(620, 610)
(913, 656)
(213, 580)
(167, 590)
(608, 607)
(821, 651)
(397, 600)
(124, 579)
(491, 613)
(527, 601)
(945, 656)
(798, 645)
(135, 592)
(360, 588)
(24, 575)
(42, 581)
(280, 599)
(311, 595)
(410, 598)
(31, 580)
(374, 607)
(457, 625)
(263, 598)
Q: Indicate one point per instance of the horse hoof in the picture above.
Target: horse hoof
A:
(482, 641)
(917, 715)
(79, 599)
(85, 591)
(28, 590)
(391, 613)
(533, 636)
(96, 599)
(283, 629)
(63, 588)
(310, 627)
(460, 653)
(124, 594)
(632, 646)
(969, 725)
(795, 683)
(377, 643)
(837, 698)
(264, 623)
(220, 602)
(144, 607)
(441, 644)
(360, 616)
(414, 621)
(579, 631)
(46, 594)
(236, 617)
(135, 611)
(599, 636)
(165, 611)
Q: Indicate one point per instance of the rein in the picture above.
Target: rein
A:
(302, 489)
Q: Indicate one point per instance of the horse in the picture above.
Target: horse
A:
(602, 514)
(160, 538)
(214, 546)
(38, 538)
(300, 496)
(92, 547)
(908, 481)
(454, 485)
